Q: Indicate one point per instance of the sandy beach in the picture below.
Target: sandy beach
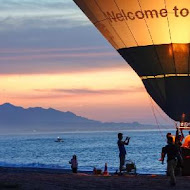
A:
(47, 179)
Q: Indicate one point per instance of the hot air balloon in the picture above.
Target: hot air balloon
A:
(153, 37)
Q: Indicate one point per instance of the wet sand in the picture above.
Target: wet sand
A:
(47, 179)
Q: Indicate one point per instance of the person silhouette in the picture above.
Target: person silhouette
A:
(122, 151)
(74, 164)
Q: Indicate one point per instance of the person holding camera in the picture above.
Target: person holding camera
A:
(122, 151)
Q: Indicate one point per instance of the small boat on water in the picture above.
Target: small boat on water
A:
(59, 139)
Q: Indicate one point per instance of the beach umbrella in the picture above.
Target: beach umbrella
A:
(153, 37)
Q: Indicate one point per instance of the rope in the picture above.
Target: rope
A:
(167, 119)
(169, 30)
(154, 114)
(127, 24)
(111, 26)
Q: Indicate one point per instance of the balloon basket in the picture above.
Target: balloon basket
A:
(183, 126)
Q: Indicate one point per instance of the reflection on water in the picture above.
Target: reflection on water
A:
(92, 149)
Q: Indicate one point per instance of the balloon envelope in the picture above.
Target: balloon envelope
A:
(153, 36)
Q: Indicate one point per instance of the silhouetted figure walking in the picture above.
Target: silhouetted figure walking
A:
(172, 155)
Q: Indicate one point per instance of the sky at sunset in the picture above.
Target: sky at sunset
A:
(52, 56)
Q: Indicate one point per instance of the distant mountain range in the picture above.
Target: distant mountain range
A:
(16, 119)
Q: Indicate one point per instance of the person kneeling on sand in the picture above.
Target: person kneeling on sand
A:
(74, 164)
(172, 154)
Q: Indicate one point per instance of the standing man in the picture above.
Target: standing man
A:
(122, 151)
(172, 154)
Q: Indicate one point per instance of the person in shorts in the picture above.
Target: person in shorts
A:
(122, 151)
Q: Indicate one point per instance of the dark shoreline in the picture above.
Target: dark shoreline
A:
(58, 179)
(41, 170)
(56, 170)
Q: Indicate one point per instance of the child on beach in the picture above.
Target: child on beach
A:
(74, 164)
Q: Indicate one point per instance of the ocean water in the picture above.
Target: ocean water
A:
(93, 149)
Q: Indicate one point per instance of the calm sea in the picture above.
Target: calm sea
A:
(93, 149)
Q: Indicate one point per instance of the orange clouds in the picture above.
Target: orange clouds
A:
(56, 55)
(106, 95)
(85, 92)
